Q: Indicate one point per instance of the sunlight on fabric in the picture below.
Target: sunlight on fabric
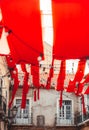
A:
(0, 15)
(45, 5)
(4, 48)
(47, 26)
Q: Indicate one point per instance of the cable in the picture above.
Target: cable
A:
(22, 41)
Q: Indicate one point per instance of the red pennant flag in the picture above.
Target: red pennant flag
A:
(25, 85)
(83, 105)
(78, 77)
(86, 79)
(10, 61)
(25, 90)
(79, 74)
(87, 91)
(60, 85)
(71, 86)
(1, 23)
(1, 28)
(61, 92)
(48, 85)
(79, 89)
(61, 76)
(35, 75)
(15, 86)
(38, 93)
(35, 98)
(80, 71)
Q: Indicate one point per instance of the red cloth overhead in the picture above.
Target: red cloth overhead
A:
(70, 28)
(22, 19)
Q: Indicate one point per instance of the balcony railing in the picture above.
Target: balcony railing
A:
(64, 121)
(22, 120)
(2, 106)
(82, 117)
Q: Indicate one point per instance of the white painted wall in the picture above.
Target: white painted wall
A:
(47, 106)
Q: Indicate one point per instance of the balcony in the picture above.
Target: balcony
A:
(64, 121)
(23, 119)
(2, 107)
(81, 118)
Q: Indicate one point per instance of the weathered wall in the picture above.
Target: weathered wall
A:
(47, 105)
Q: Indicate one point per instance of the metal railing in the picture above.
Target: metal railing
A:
(2, 105)
(23, 120)
(80, 118)
(64, 121)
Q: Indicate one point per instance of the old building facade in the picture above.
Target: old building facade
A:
(45, 112)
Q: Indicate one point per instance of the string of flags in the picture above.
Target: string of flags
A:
(74, 86)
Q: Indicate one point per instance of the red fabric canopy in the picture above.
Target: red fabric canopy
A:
(70, 28)
(22, 20)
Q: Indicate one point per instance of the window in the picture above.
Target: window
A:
(23, 116)
(87, 102)
(64, 115)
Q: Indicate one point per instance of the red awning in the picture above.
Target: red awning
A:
(70, 28)
(23, 22)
